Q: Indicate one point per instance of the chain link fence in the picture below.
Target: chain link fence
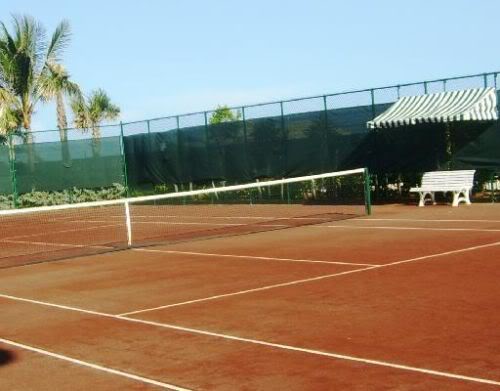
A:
(272, 140)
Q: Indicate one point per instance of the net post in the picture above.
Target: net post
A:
(128, 224)
(124, 160)
(366, 181)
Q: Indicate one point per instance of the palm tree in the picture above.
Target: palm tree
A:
(25, 61)
(10, 114)
(55, 84)
(90, 113)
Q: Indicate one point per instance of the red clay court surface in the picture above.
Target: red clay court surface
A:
(407, 299)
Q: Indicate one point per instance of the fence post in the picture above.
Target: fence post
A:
(285, 140)
(425, 87)
(374, 135)
(124, 161)
(326, 150)
(206, 125)
(325, 107)
(179, 150)
(245, 139)
(12, 166)
(148, 126)
(372, 95)
(485, 80)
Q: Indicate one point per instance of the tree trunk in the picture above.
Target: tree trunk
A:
(96, 140)
(62, 124)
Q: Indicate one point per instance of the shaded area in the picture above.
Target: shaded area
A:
(6, 357)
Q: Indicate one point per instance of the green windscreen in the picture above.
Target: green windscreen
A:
(51, 166)
(5, 175)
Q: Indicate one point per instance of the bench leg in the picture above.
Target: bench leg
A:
(467, 197)
(433, 198)
(421, 203)
(461, 196)
(423, 194)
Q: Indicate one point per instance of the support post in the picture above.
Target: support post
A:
(179, 150)
(245, 140)
(372, 95)
(285, 138)
(325, 108)
(12, 167)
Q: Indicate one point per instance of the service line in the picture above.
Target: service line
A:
(306, 280)
(251, 257)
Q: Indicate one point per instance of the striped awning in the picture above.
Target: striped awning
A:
(478, 104)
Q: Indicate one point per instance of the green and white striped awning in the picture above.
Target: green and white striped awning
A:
(478, 104)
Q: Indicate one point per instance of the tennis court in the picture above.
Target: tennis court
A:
(405, 298)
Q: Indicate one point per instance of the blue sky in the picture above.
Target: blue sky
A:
(158, 57)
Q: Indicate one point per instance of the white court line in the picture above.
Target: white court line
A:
(264, 343)
(251, 257)
(407, 228)
(64, 231)
(305, 280)
(252, 290)
(93, 366)
(432, 220)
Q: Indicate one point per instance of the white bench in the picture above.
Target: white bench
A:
(457, 182)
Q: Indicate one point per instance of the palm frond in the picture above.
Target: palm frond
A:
(59, 41)
(80, 113)
(30, 40)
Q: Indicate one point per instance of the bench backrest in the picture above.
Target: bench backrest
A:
(463, 178)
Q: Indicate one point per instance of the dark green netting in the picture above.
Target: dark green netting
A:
(5, 174)
(63, 165)
(268, 147)
(295, 144)
(477, 145)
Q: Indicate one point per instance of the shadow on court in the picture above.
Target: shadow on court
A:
(6, 357)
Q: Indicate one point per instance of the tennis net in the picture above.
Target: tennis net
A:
(49, 233)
